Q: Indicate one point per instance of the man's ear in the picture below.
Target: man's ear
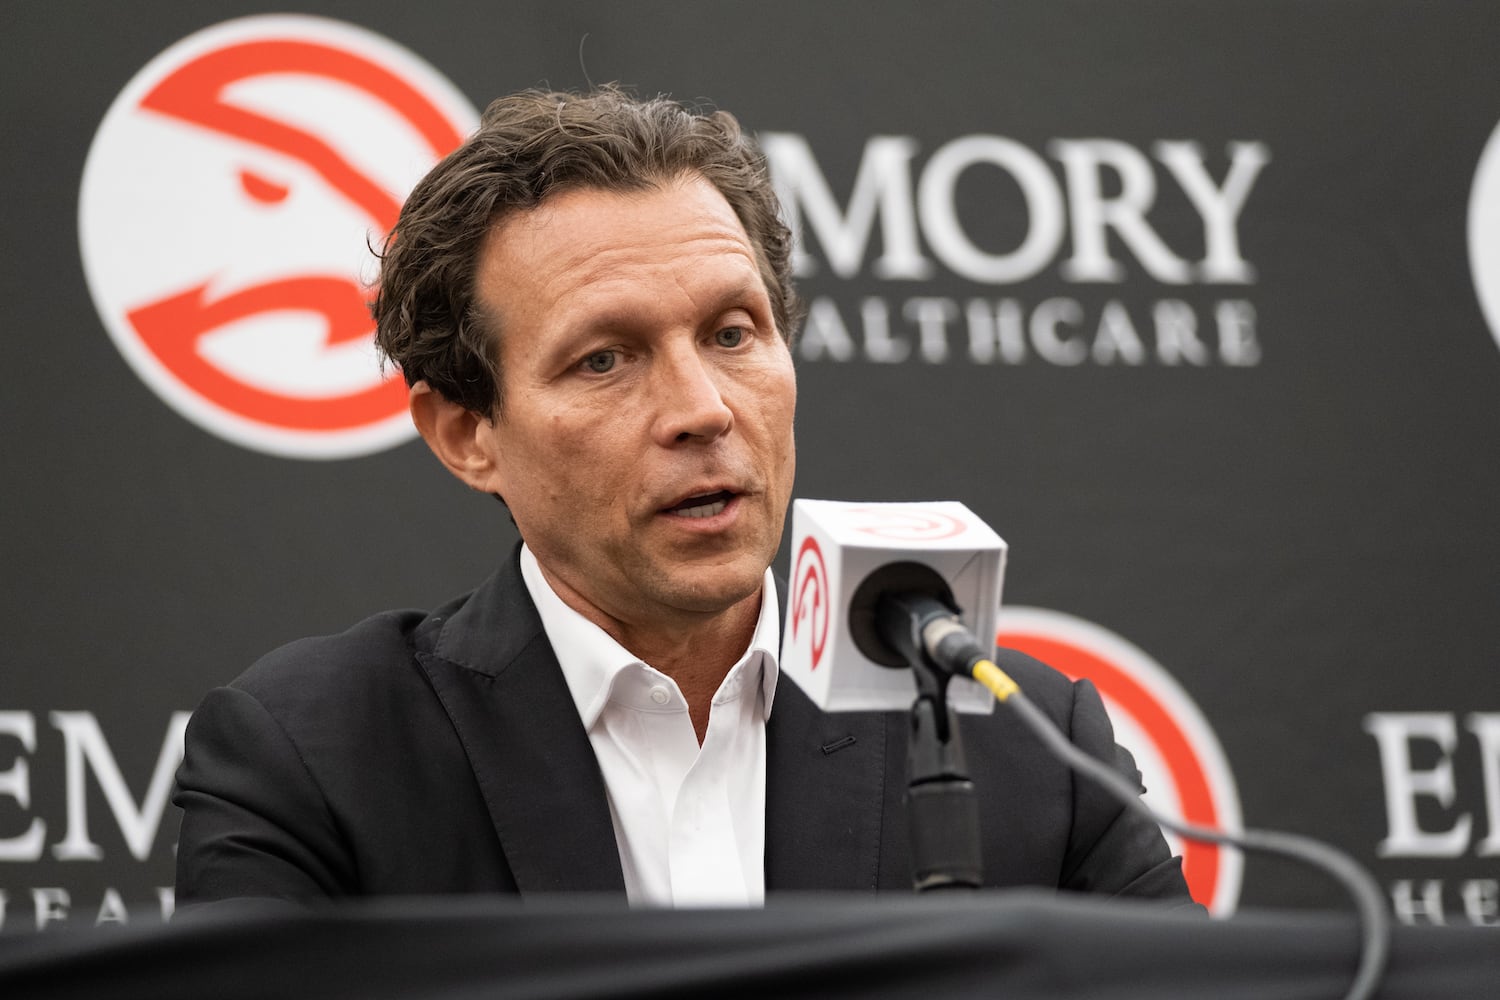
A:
(461, 439)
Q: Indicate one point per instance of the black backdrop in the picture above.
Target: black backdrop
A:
(1303, 532)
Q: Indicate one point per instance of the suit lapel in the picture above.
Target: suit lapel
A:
(498, 679)
(496, 675)
(825, 795)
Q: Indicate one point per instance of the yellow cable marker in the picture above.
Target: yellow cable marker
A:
(998, 681)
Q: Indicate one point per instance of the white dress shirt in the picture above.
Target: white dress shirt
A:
(690, 821)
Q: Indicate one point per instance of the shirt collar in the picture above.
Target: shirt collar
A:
(591, 659)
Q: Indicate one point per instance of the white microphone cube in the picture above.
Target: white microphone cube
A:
(835, 546)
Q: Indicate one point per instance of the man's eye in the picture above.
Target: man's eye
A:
(599, 362)
(730, 336)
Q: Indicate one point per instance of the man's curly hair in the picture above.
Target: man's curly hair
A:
(529, 146)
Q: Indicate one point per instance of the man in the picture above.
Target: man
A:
(591, 304)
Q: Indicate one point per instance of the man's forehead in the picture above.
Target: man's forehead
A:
(583, 236)
(686, 202)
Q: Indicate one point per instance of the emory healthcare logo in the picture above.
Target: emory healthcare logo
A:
(227, 206)
(1181, 763)
(1484, 233)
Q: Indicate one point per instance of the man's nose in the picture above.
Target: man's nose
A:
(688, 398)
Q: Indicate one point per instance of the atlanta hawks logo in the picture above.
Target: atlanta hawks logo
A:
(1182, 765)
(1484, 233)
(810, 612)
(907, 524)
(228, 202)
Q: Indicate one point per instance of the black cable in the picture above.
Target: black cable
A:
(1375, 926)
(947, 646)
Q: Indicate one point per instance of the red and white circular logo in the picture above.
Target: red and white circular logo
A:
(228, 204)
(910, 524)
(810, 598)
(1182, 765)
(1484, 233)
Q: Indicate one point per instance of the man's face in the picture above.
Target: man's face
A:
(644, 445)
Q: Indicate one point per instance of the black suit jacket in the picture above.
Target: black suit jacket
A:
(442, 753)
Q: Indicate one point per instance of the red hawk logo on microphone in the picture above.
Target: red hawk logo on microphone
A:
(809, 598)
(913, 523)
(228, 204)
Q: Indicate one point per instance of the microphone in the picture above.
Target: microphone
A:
(873, 583)
(879, 585)
(904, 612)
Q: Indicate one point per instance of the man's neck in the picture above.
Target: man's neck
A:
(696, 650)
(699, 660)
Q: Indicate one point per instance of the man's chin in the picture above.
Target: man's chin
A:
(709, 592)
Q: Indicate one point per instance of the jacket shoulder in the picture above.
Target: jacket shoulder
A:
(378, 653)
(1048, 688)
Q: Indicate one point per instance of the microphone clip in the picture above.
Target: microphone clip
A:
(904, 615)
(944, 814)
(903, 618)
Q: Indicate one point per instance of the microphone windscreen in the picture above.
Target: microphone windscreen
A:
(836, 547)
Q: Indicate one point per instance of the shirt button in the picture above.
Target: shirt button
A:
(659, 695)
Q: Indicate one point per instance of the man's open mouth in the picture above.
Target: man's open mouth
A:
(706, 505)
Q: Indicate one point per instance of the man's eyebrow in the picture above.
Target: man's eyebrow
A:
(623, 318)
(606, 318)
(741, 292)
